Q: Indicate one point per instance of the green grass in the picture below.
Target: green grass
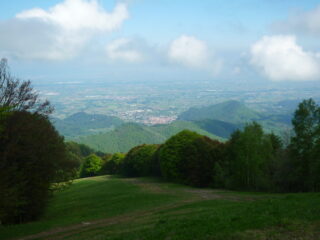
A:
(150, 209)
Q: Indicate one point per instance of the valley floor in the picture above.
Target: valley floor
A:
(108, 207)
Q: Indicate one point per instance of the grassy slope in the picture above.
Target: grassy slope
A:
(147, 209)
(127, 136)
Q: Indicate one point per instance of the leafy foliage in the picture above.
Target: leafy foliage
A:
(251, 157)
(32, 157)
(305, 146)
(138, 161)
(81, 150)
(189, 158)
(172, 153)
(113, 164)
(200, 158)
(91, 166)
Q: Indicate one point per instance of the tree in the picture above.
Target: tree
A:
(91, 166)
(32, 158)
(20, 95)
(113, 164)
(251, 157)
(138, 161)
(189, 158)
(172, 153)
(200, 157)
(304, 147)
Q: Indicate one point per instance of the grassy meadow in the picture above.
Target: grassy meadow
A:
(108, 207)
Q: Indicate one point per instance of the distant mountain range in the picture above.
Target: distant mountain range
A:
(218, 121)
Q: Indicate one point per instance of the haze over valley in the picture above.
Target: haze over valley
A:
(160, 119)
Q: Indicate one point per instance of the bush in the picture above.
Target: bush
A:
(138, 161)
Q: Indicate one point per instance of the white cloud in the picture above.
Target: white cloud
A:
(307, 22)
(189, 51)
(194, 53)
(123, 49)
(77, 15)
(59, 33)
(281, 58)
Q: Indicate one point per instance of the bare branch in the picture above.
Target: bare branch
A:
(19, 94)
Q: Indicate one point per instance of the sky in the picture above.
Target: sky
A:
(153, 40)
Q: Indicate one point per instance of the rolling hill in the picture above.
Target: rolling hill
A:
(230, 111)
(223, 118)
(129, 135)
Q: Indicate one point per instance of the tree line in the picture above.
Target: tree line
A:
(251, 160)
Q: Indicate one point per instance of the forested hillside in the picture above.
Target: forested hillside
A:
(127, 136)
(229, 111)
(214, 117)
(219, 128)
(85, 124)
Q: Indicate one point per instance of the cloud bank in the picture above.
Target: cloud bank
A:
(281, 58)
(60, 32)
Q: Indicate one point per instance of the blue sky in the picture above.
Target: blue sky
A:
(156, 39)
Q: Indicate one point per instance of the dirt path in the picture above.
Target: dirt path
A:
(195, 193)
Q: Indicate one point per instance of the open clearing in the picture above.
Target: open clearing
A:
(119, 208)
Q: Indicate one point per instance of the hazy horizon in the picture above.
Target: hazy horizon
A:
(242, 42)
